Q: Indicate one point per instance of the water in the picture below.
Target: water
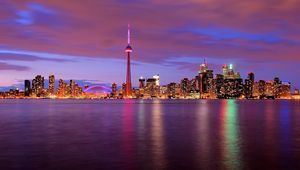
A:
(149, 134)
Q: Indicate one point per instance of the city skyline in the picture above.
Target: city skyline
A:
(54, 37)
(204, 85)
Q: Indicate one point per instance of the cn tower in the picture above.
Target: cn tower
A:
(128, 50)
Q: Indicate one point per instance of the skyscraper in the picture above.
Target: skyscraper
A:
(141, 82)
(38, 85)
(114, 89)
(205, 77)
(249, 85)
(51, 90)
(185, 87)
(27, 88)
(262, 88)
(72, 88)
(128, 50)
(61, 88)
(157, 79)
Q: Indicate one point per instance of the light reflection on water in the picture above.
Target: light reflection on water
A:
(231, 138)
(149, 134)
(203, 138)
(157, 136)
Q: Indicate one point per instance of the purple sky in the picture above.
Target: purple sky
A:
(85, 40)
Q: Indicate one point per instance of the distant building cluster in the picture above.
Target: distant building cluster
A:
(206, 85)
(36, 89)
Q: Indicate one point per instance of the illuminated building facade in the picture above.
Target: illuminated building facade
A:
(114, 90)
(249, 86)
(171, 90)
(61, 91)
(27, 88)
(262, 89)
(38, 86)
(205, 78)
(141, 82)
(219, 85)
(185, 87)
(51, 89)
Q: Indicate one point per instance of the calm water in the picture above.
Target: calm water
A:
(149, 134)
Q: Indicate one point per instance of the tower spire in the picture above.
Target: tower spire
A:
(128, 35)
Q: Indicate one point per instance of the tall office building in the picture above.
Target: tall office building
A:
(128, 50)
(277, 87)
(156, 77)
(141, 82)
(203, 67)
(51, 89)
(72, 88)
(152, 89)
(124, 89)
(27, 88)
(219, 85)
(249, 85)
(225, 70)
(171, 89)
(205, 78)
(114, 89)
(185, 87)
(38, 86)
(61, 88)
(262, 89)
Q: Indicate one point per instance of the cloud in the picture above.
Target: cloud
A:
(98, 29)
(5, 66)
(251, 30)
(29, 58)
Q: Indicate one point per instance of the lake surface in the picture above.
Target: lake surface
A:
(149, 134)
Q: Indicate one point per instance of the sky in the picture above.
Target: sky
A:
(86, 40)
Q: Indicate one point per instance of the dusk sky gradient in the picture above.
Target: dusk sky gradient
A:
(85, 40)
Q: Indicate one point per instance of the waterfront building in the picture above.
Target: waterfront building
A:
(296, 92)
(38, 86)
(123, 89)
(277, 87)
(114, 90)
(171, 90)
(219, 85)
(27, 88)
(151, 89)
(185, 87)
(285, 90)
(61, 88)
(232, 88)
(51, 89)
(269, 89)
(262, 89)
(141, 82)
(205, 77)
(249, 86)
(156, 77)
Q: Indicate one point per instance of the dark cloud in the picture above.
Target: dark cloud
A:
(6, 66)
(24, 57)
